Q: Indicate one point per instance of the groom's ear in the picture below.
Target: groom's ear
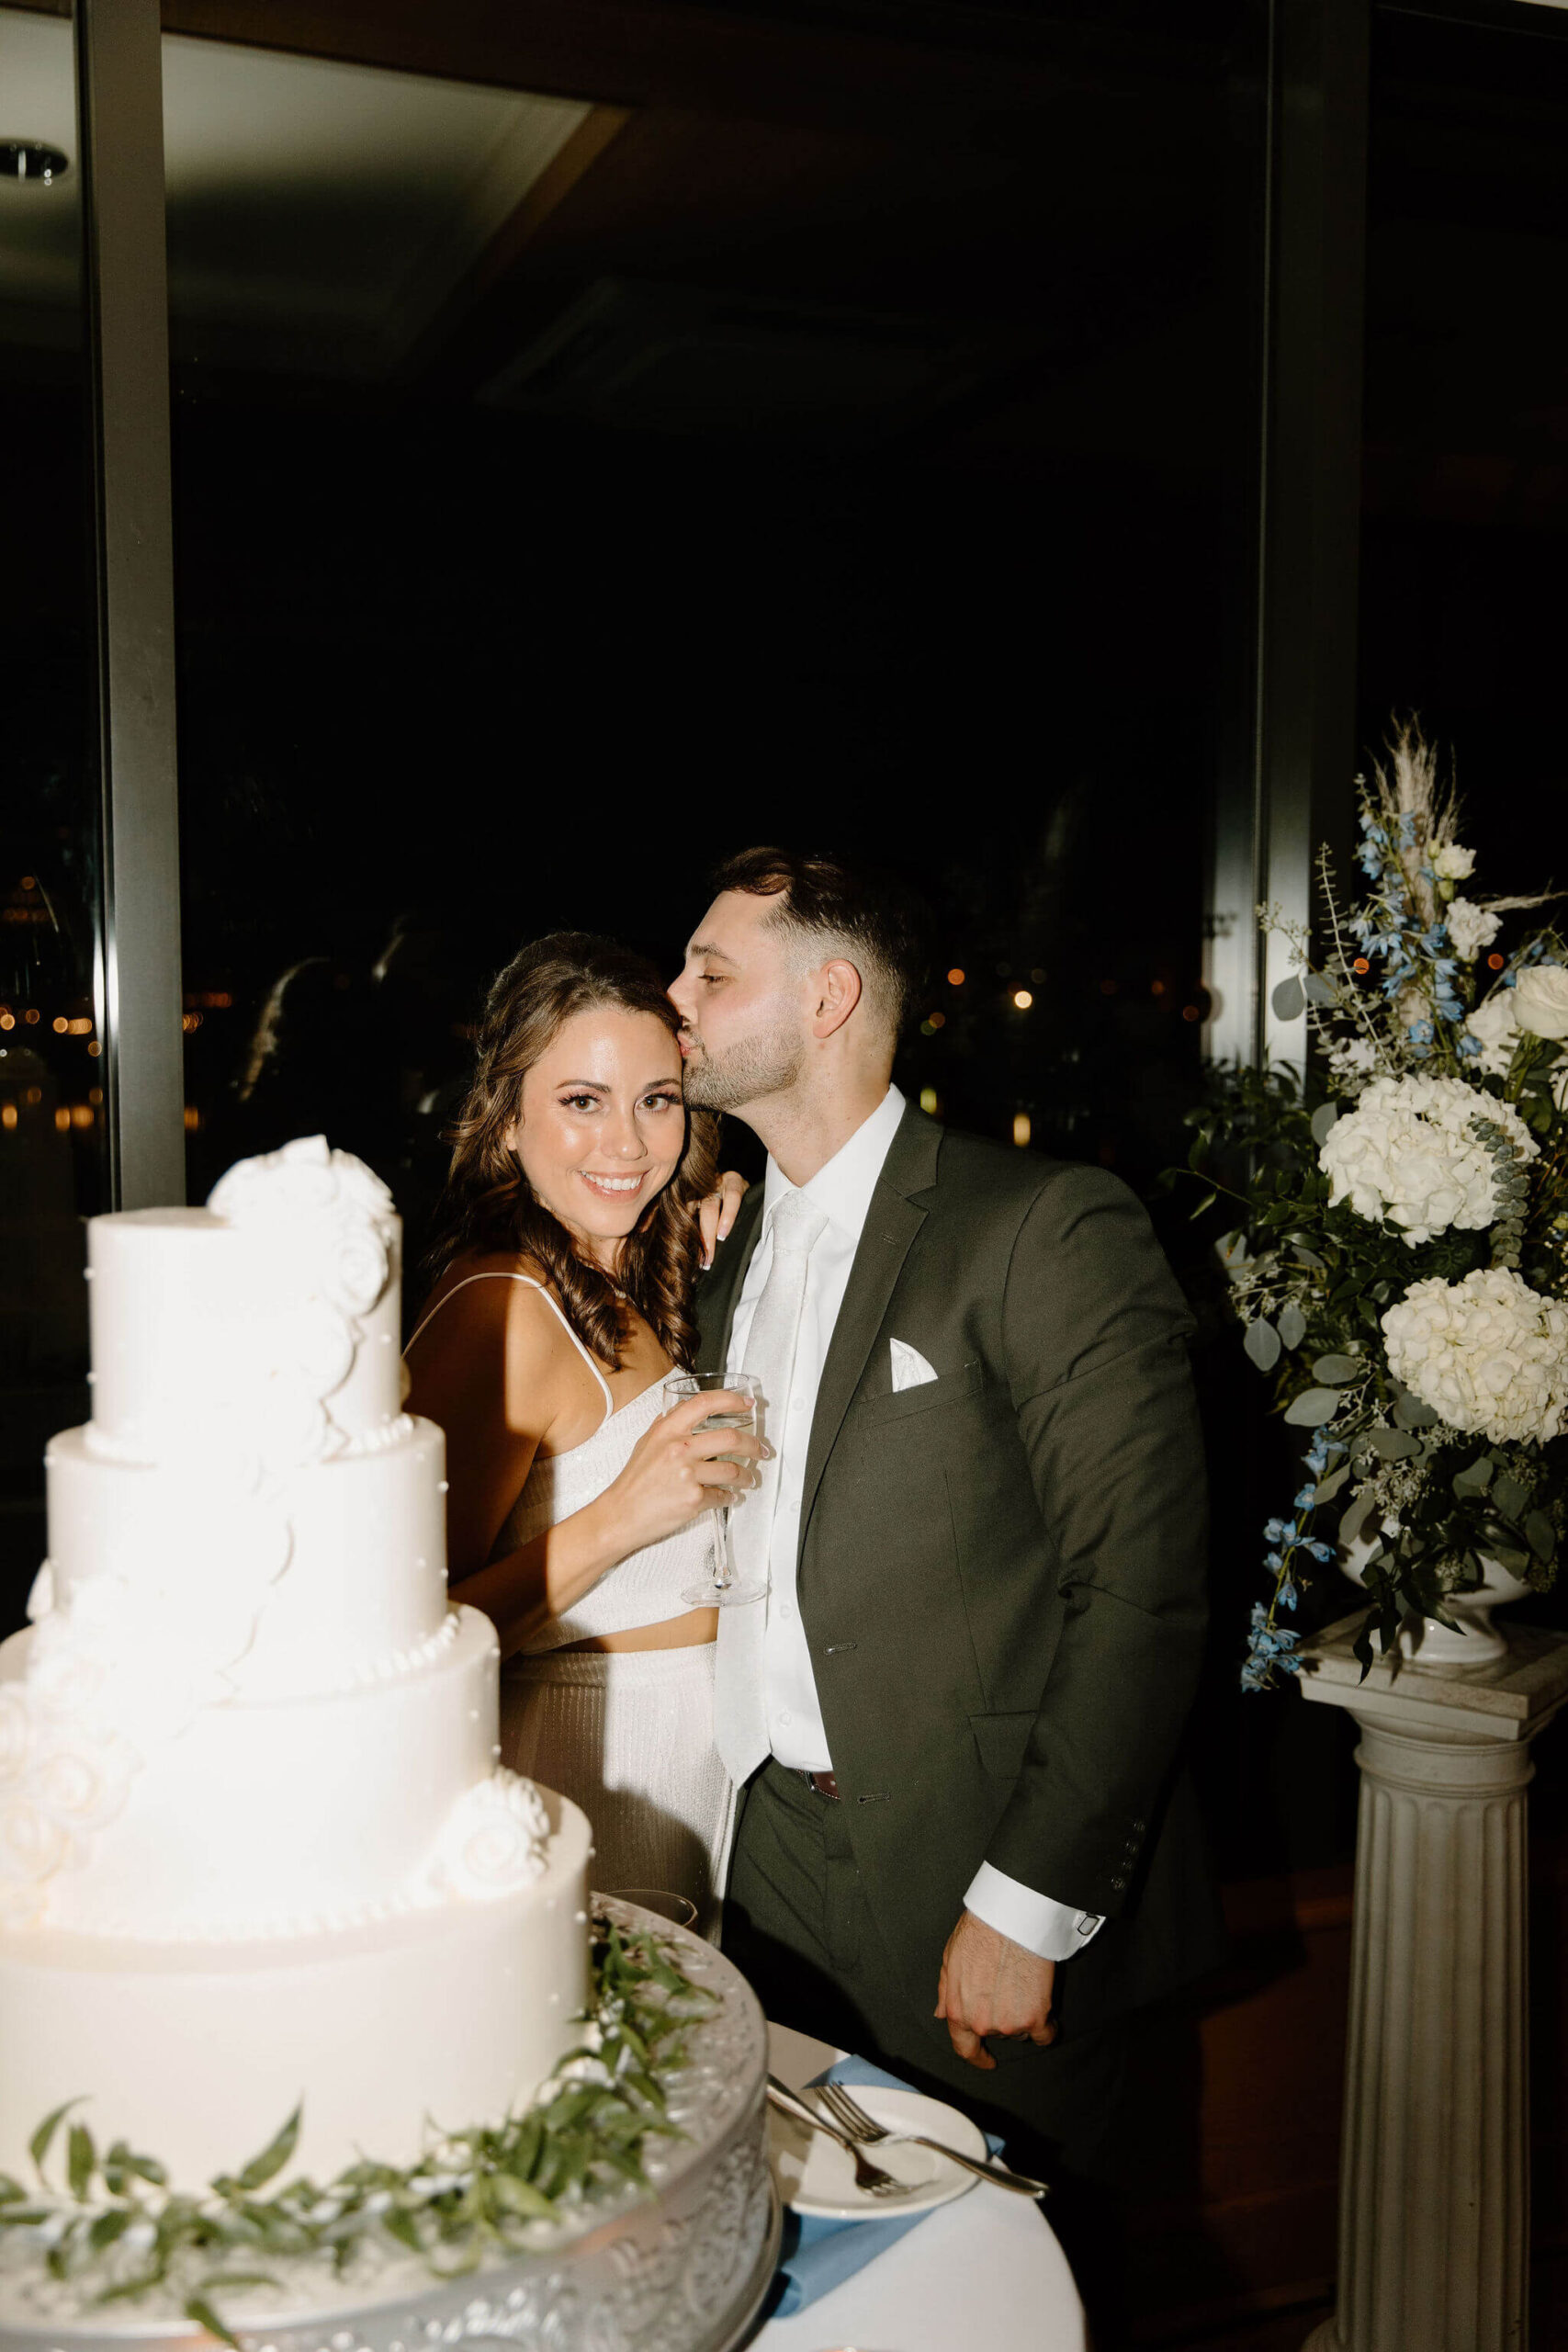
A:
(836, 991)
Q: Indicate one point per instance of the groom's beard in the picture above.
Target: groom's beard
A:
(768, 1063)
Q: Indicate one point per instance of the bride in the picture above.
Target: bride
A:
(568, 1246)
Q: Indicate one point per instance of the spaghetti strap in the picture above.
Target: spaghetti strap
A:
(529, 1284)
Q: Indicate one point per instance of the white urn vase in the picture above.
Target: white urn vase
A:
(1434, 1643)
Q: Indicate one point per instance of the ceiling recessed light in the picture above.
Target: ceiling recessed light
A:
(32, 159)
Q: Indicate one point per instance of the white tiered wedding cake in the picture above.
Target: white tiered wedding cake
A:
(255, 1848)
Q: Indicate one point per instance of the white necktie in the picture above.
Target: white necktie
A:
(739, 1712)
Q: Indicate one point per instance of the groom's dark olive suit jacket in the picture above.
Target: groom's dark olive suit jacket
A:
(1003, 1572)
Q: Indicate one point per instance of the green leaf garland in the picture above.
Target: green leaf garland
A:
(485, 2190)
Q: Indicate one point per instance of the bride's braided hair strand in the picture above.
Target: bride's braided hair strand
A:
(488, 1203)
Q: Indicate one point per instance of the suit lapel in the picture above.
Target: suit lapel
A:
(721, 1290)
(891, 1224)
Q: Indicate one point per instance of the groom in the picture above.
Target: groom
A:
(963, 1846)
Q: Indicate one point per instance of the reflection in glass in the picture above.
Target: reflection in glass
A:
(52, 1142)
(566, 494)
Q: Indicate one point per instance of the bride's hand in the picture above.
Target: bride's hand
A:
(716, 1214)
(674, 1475)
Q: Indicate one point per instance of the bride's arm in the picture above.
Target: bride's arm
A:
(497, 1380)
(492, 1372)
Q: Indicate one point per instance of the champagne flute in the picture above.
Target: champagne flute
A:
(723, 1588)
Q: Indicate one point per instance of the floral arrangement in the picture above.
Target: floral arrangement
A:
(114, 2230)
(1401, 1262)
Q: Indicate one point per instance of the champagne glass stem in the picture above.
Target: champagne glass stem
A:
(724, 1572)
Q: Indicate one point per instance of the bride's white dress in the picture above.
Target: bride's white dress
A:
(627, 1735)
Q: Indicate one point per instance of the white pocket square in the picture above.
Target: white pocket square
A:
(911, 1369)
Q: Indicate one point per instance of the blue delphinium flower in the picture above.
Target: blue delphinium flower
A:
(1270, 1647)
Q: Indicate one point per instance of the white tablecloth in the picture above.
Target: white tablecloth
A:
(983, 2270)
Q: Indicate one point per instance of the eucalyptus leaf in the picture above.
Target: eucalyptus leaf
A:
(1304, 1256)
(273, 2157)
(1335, 1370)
(1410, 1413)
(1262, 1344)
(81, 2160)
(1292, 1325)
(1318, 991)
(38, 2146)
(1325, 1118)
(1507, 1557)
(1326, 1488)
(1313, 1408)
(1540, 1534)
(1475, 1478)
(1509, 1496)
(1288, 998)
(1393, 1445)
(198, 2309)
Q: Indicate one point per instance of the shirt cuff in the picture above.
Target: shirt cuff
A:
(1050, 1930)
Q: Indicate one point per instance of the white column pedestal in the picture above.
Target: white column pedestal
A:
(1434, 2185)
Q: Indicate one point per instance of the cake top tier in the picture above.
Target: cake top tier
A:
(266, 1323)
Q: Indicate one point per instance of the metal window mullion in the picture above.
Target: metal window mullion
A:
(1292, 787)
(120, 112)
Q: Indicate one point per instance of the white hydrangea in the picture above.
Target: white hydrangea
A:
(1471, 928)
(1453, 863)
(1487, 1353)
(1406, 1153)
(1495, 1026)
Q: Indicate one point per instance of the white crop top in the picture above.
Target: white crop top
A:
(645, 1588)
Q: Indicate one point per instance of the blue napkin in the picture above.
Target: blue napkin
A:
(817, 2255)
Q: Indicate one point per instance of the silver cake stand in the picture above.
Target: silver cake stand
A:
(685, 2269)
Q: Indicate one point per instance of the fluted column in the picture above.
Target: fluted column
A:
(1434, 2190)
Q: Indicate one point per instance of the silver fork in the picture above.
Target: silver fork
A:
(865, 2130)
(869, 2178)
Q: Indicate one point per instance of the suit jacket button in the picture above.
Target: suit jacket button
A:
(1118, 1883)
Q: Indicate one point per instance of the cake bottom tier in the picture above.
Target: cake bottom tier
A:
(197, 2054)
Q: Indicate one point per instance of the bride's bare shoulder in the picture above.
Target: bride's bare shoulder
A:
(494, 1292)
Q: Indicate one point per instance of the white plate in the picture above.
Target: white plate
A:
(817, 2177)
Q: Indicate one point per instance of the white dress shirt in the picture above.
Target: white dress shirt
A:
(841, 1192)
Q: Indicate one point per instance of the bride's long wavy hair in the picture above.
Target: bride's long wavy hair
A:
(487, 1203)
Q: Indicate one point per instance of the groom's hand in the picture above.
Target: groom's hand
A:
(989, 1984)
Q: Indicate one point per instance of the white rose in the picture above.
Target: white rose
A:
(1494, 1025)
(361, 1188)
(277, 1186)
(1453, 863)
(1540, 1000)
(1408, 1153)
(32, 1846)
(313, 1345)
(1487, 1353)
(1471, 928)
(82, 1787)
(495, 1839)
(355, 1265)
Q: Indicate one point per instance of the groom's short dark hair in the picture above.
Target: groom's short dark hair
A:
(868, 914)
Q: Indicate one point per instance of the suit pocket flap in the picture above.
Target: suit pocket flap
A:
(1001, 1740)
